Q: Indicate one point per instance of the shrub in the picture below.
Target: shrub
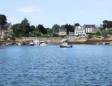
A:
(5, 37)
(12, 37)
(90, 36)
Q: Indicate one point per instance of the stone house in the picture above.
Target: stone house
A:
(90, 28)
(62, 32)
(5, 30)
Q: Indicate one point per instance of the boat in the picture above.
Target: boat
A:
(42, 43)
(36, 42)
(31, 44)
(19, 44)
(65, 45)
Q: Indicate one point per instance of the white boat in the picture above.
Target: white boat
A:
(31, 44)
(65, 45)
(36, 42)
(19, 44)
(42, 43)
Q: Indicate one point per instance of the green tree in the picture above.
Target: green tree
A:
(69, 28)
(42, 29)
(32, 28)
(76, 24)
(22, 29)
(55, 28)
(17, 31)
(25, 26)
(3, 19)
(107, 24)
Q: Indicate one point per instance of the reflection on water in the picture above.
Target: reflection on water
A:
(82, 65)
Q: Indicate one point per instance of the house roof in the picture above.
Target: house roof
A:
(62, 30)
(89, 26)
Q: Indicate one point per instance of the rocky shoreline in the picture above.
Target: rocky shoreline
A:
(57, 40)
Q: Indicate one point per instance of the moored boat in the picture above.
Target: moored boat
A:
(31, 44)
(36, 42)
(65, 45)
(42, 43)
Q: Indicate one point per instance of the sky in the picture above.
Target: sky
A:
(50, 12)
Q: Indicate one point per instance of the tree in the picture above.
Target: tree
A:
(25, 26)
(32, 28)
(17, 31)
(55, 28)
(22, 29)
(69, 28)
(3, 19)
(42, 29)
(76, 24)
(107, 24)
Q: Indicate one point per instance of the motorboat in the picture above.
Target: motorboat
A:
(65, 45)
(36, 42)
(31, 44)
(42, 43)
(19, 44)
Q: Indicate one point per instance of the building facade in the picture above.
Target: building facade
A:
(79, 31)
(62, 32)
(90, 28)
(5, 30)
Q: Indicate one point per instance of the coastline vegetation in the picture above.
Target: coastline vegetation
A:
(24, 29)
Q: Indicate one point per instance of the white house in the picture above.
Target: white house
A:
(79, 31)
(90, 28)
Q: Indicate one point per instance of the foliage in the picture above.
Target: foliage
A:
(99, 33)
(42, 29)
(76, 24)
(12, 37)
(90, 36)
(3, 19)
(107, 24)
(69, 28)
(104, 33)
(5, 37)
(55, 28)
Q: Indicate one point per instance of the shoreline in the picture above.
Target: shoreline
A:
(57, 41)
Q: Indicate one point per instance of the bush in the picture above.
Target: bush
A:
(5, 37)
(98, 33)
(12, 37)
(55, 35)
(90, 36)
(104, 33)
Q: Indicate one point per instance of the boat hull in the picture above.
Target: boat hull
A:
(69, 46)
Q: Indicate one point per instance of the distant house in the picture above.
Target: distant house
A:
(79, 31)
(55, 31)
(62, 32)
(71, 33)
(90, 28)
(6, 29)
(108, 28)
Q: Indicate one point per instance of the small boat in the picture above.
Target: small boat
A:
(31, 44)
(19, 44)
(65, 45)
(42, 43)
(36, 42)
